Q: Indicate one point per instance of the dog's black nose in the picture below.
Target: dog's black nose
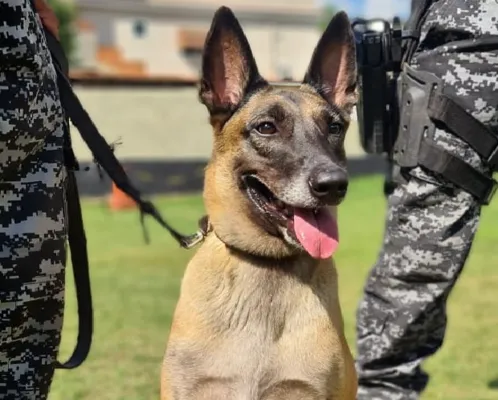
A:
(329, 184)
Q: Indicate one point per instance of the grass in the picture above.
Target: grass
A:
(135, 288)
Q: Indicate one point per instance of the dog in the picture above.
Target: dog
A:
(258, 317)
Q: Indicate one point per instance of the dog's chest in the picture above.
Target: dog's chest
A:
(267, 350)
(252, 369)
(258, 334)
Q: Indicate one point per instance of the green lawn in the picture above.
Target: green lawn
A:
(135, 288)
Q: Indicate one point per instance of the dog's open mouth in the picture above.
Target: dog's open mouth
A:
(314, 229)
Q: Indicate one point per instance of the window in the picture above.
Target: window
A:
(139, 29)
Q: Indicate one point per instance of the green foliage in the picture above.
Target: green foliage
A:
(328, 11)
(66, 14)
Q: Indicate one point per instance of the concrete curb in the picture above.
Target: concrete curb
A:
(154, 177)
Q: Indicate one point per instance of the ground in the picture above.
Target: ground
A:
(135, 288)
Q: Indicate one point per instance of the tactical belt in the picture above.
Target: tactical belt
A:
(424, 107)
(105, 157)
(413, 27)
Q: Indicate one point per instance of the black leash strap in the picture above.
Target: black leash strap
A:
(76, 236)
(81, 273)
(99, 147)
(104, 156)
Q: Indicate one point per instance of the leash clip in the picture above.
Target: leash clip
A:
(193, 240)
(187, 242)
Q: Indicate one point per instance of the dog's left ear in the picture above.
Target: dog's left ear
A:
(332, 70)
(229, 71)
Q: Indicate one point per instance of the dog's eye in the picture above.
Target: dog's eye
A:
(266, 128)
(335, 128)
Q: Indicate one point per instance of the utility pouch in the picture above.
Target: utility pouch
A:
(423, 103)
(415, 89)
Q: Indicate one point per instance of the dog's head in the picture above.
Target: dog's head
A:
(278, 160)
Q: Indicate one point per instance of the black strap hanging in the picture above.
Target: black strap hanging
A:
(105, 157)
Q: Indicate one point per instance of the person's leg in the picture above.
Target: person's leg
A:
(430, 225)
(32, 211)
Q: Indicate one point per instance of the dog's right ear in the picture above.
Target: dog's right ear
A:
(229, 71)
(332, 70)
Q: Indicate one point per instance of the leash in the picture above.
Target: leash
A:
(104, 156)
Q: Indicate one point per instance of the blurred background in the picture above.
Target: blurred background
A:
(135, 65)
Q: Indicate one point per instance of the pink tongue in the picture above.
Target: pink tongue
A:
(318, 233)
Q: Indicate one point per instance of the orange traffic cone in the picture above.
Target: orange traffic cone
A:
(119, 200)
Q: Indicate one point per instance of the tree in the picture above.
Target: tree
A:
(328, 11)
(66, 14)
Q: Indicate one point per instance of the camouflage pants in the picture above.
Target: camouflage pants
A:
(32, 211)
(430, 225)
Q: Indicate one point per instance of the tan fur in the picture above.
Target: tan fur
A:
(279, 327)
(280, 324)
(227, 206)
(257, 317)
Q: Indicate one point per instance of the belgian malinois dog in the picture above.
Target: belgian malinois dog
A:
(258, 316)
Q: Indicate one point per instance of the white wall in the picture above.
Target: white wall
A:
(86, 49)
(158, 123)
(103, 26)
(295, 48)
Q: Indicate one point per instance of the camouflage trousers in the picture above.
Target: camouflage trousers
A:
(430, 225)
(32, 211)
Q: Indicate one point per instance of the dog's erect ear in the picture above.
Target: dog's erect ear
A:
(332, 70)
(229, 72)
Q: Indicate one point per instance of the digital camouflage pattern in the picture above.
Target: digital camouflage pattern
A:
(430, 225)
(32, 211)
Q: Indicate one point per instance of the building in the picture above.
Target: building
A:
(163, 39)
